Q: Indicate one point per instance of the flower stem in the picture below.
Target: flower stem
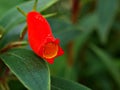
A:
(35, 5)
(4, 86)
(74, 17)
(21, 11)
(12, 45)
(23, 33)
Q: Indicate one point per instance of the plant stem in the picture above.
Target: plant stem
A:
(75, 13)
(35, 5)
(23, 33)
(75, 10)
(21, 11)
(70, 53)
(4, 86)
(12, 45)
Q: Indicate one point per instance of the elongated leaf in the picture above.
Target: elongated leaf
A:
(106, 59)
(10, 36)
(106, 10)
(67, 36)
(61, 84)
(13, 17)
(5, 5)
(87, 24)
(31, 70)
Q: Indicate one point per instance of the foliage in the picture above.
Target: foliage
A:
(89, 33)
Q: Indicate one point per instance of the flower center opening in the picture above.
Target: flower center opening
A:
(50, 50)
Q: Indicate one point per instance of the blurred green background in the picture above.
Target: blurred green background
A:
(89, 31)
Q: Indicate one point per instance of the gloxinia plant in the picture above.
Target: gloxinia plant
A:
(20, 67)
(40, 36)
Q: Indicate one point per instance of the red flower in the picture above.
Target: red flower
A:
(41, 39)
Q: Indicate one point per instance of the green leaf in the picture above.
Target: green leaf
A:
(31, 70)
(108, 62)
(1, 32)
(61, 84)
(65, 38)
(106, 10)
(16, 85)
(5, 5)
(10, 36)
(3, 70)
(87, 24)
(63, 30)
(13, 17)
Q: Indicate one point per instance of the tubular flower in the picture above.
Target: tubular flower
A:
(41, 39)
